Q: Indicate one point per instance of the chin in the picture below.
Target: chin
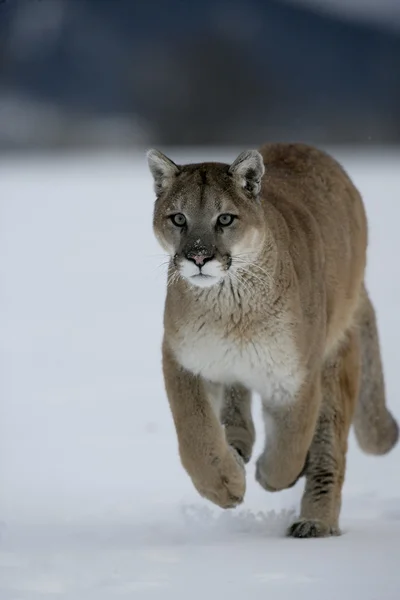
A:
(203, 281)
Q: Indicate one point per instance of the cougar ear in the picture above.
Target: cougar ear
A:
(248, 170)
(162, 168)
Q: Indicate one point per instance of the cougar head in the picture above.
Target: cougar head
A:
(208, 216)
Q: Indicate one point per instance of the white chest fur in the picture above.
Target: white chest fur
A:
(267, 365)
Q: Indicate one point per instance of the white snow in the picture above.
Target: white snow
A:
(94, 503)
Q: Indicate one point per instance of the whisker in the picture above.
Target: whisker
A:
(164, 254)
(251, 264)
(173, 278)
(242, 283)
(163, 264)
(251, 274)
(244, 254)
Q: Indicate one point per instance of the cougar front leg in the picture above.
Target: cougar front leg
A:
(290, 425)
(321, 503)
(237, 420)
(215, 468)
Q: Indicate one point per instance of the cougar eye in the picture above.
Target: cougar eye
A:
(225, 220)
(179, 219)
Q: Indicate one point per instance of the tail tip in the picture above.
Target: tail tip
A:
(379, 440)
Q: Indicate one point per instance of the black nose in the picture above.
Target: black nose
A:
(199, 257)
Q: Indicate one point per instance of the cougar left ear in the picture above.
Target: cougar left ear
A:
(248, 170)
(163, 169)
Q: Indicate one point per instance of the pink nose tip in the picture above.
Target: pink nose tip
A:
(199, 259)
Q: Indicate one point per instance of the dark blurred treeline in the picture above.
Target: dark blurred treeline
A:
(101, 72)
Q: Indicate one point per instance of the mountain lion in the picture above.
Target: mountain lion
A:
(266, 294)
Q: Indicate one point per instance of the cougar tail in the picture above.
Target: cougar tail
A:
(376, 430)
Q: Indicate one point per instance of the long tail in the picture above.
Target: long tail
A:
(376, 430)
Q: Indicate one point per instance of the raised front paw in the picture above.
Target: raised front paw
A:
(278, 478)
(311, 528)
(223, 480)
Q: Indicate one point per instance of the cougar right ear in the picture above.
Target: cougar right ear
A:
(162, 168)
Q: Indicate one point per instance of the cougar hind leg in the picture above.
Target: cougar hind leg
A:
(325, 472)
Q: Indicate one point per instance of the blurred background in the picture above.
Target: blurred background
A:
(99, 73)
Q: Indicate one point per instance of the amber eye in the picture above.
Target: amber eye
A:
(179, 219)
(225, 220)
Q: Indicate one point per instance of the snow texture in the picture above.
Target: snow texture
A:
(94, 504)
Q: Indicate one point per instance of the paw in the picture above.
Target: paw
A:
(242, 449)
(223, 482)
(311, 528)
(275, 482)
(242, 440)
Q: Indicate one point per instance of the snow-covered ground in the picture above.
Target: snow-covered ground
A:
(94, 503)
